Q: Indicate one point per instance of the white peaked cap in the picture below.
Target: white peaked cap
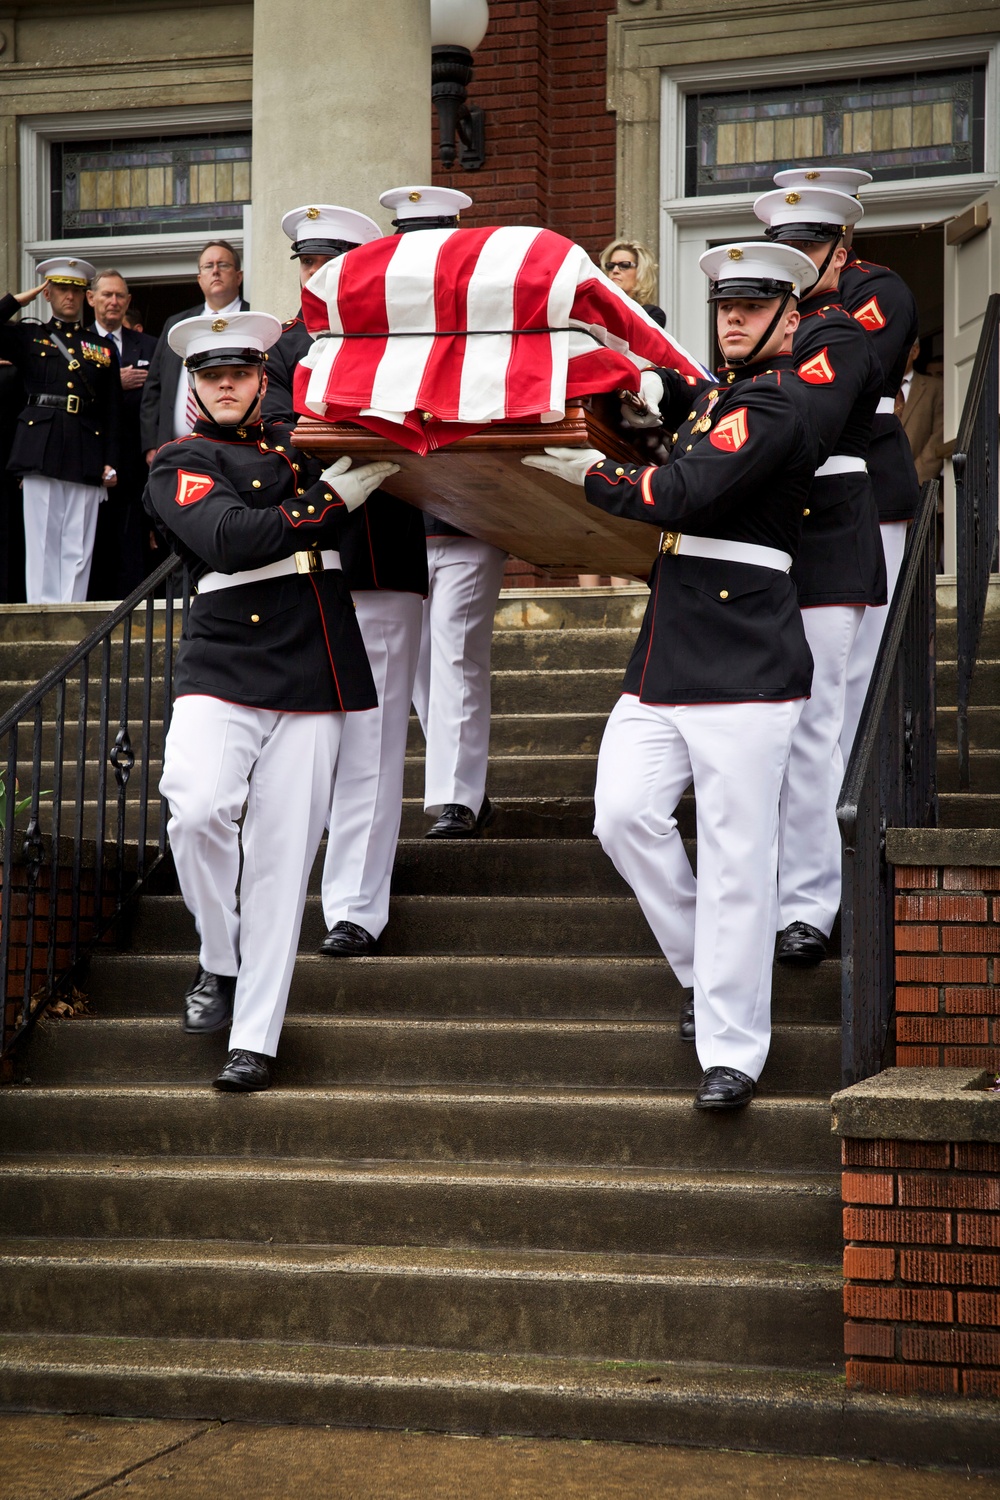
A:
(425, 202)
(212, 333)
(757, 268)
(844, 179)
(66, 272)
(328, 223)
(807, 205)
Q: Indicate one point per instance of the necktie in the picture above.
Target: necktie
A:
(190, 405)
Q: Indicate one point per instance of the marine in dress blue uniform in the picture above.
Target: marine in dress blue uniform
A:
(721, 667)
(66, 446)
(839, 570)
(270, 663)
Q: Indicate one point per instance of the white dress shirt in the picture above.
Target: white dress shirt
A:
(115, 337)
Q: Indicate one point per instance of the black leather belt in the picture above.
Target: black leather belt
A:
(72, 404)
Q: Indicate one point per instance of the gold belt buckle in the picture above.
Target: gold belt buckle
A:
(73, 404)
(308, 562)
(671, 542)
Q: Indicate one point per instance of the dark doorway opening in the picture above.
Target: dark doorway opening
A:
(156, 301)
(918, 256)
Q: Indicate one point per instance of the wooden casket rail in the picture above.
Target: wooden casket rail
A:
(480, 485)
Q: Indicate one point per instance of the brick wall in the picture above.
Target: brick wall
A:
(947, 966)
(922, 1266)
(541, 78)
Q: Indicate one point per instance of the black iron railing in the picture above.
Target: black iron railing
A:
(974, 463)
(890, 782)
(83, 824)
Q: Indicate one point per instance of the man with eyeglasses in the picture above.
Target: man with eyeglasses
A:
(167, 411)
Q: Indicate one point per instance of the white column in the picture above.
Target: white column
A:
(341, 111)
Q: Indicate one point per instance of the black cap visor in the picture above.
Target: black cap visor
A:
(748, 289)
(804, 234)
(322, 247)
(210, 358)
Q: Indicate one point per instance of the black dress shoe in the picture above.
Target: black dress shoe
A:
(458, 822)
(348, 940)
(245, 1072)
(723, 1088)
(687, 1016)
(801, 944)
(208, 1004)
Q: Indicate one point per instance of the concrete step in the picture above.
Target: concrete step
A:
(572, 609)
(441, 987)
(985, 681)
(697, 1404)
(495, 867)
(551, 650)
(534, 734)
(614, 1307)
(984, 727)
(349, 1051)
(984, 770)
(969, 810)
(947, 636)
(590, 1129)
(570, 690)
(651, 1211)
(522, 776)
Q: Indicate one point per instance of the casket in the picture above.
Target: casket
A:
(480, 485)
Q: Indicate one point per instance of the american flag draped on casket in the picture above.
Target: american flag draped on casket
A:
(427, 337)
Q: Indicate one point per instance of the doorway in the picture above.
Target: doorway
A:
(917, 255)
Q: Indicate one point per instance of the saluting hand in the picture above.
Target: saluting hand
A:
(23, 298)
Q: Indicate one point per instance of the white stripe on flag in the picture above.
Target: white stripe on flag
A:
(560, 305)
(409, 302)
(489, 303)
(320, 356)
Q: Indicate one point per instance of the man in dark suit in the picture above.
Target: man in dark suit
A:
(166, 411)
(119, 563)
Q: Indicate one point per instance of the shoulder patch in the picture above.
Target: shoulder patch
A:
(871, 315)
(818, 370)
(192, 487)
(731, 433)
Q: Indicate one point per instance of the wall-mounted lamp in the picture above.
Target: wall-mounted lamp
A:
(457, 28)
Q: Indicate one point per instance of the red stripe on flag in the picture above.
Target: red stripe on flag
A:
(441, 383)
(529, 370)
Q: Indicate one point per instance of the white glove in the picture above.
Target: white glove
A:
(642, 409)
(570, 464)
(355, 487)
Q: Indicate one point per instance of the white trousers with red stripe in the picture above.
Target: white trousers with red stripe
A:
(809, 856)
(219, 757)
(451, 693)
(368, 790)
(60, 523)
(717, 933)
(869, 637)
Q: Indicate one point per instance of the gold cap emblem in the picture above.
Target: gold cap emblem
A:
(735, 254)
(219, 325)
(312, 213)
(811, 176)
(72, 262)
(415, 197)
(792, 197)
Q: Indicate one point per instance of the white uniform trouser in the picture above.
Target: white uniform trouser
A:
(217, 757)
(865, 649)
(368, 791)
(452, 690)
(60, 521)
(717, 933)
(809, 857)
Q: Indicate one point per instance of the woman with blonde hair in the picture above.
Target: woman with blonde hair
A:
(631, 267)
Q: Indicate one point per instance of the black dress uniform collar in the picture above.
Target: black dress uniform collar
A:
(736, 375)
(62, 326)
(252, 432)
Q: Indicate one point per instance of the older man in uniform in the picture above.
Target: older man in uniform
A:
(839, 569)
(66, 444)
(721, 668)
(270, 661)
(384, 560)
(452, 689)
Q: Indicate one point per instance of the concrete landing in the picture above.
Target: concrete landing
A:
(95, 1458)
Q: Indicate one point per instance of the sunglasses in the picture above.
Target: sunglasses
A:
(622, 265)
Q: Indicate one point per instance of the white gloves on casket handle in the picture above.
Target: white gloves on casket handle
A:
(570, 464)
(642, 408)
(355, 487)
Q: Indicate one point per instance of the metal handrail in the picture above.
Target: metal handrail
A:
(974, 464)
(890, 782)
(72, 825)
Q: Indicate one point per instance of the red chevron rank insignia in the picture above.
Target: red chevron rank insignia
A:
(731, 433)
(871, 316)
(192, 487)
(818, 370)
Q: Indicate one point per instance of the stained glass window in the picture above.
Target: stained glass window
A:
(909, 125)
(150, 185)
